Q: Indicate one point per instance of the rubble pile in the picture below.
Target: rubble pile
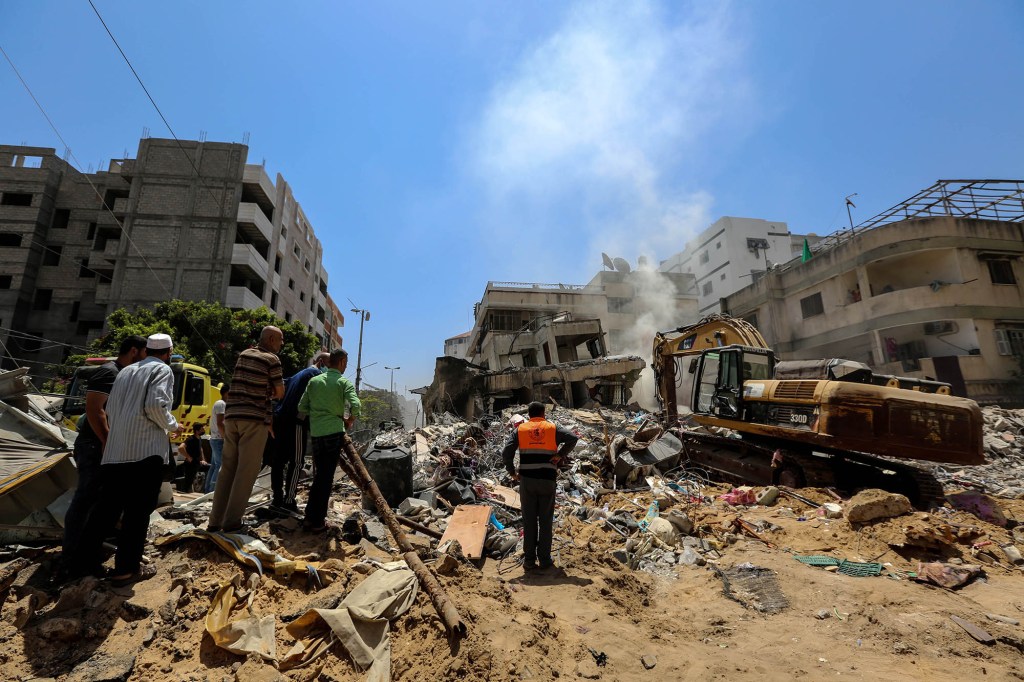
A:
(1003, 474)
(658, 567)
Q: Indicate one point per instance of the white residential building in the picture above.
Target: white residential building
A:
(732, 253)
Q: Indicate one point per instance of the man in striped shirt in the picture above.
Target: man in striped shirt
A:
(248, 420)
(140, 418)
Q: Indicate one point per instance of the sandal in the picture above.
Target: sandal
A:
(144, 573)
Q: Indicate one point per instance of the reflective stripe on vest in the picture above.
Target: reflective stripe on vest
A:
(537, 445)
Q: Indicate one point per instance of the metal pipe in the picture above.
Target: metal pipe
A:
(426, 530)
(449, 615)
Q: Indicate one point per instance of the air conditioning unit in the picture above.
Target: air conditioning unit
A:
(939, 327)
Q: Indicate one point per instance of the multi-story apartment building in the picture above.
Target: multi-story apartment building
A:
(615, 313)
(732, 253)
(189, 220)
(455, 346)
(333, 324)
(930, 288)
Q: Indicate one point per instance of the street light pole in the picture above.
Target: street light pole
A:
(364, 316)
(394, 398)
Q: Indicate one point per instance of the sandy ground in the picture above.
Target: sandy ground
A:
(544, 626)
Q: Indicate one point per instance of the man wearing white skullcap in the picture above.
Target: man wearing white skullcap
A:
(140, 417)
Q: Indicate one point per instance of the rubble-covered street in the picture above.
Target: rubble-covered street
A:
(659, 571)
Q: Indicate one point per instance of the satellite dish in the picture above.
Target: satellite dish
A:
(641, 262)
(607, 261)
(621, 264)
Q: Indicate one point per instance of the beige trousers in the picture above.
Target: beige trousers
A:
(241, 461)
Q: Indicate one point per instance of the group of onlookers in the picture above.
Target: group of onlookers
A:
(123, 446)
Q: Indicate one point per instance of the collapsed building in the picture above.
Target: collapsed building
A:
(572, 344)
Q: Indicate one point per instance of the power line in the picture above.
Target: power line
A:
(26, 335)
(95, 189)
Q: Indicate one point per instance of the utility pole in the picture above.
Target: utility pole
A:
(364, 316)
(394, 398)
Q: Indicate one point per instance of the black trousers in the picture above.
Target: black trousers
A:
(326, 451)
(128, 491)
(537, 501)
(88, 454)
(289, 450)
(188, 476)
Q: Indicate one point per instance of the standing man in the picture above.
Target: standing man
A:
(542, 447)
(193, 454)
(288, 444)
(247, 422)
(139, 413)
(325, 400)
(216, 440)
(92, 437)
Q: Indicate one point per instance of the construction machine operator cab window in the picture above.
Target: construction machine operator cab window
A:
(719, 383)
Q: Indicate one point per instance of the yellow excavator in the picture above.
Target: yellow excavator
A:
(815, 422)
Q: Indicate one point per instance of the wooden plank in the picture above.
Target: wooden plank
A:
(468, 525)
(507, 496)
(974, 631)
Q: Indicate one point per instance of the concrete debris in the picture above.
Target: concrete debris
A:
(626, 500)
(871, 505)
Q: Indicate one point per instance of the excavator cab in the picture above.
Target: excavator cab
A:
(719, 376)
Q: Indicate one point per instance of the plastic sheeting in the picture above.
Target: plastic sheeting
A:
(361, 623)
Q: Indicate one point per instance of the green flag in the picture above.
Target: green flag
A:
(807, 252)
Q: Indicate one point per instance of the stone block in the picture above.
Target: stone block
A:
(872, 504)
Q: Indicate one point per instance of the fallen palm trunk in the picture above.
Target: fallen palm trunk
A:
(442, 604)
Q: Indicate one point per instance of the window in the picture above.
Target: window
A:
(75, 307)
(722, 277)
(277, 263)
(706, 289)
(812, 305)
(718, 245)
(1010, 341)
(291, 284)
(287, 317)
(620, 305)
(1001, 271)
(8, 239)
(42, 299)
(51, 256)
(31, 342)
(16, 199)
(296, 252)
(91, 233)
(60, 219)
(305, 265)
(273, 300)
(84, 270)
(5, 281)
(284, 232)
(302, 295)
(704, 257)
(86, 326)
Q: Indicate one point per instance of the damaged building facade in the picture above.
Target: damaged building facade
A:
(198, 224)
(930, 288)
(573, 344)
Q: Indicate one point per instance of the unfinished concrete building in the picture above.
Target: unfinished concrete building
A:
(931, 288)
(190, 220)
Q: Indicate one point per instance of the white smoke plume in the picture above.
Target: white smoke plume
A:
(584, 140)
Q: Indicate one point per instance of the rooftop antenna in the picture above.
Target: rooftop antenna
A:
(245, 138)
(202, 136)
(145, 132)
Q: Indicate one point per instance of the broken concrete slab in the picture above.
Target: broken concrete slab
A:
(873, 504)
(104, 668)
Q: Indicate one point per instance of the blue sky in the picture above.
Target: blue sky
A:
(436, 146)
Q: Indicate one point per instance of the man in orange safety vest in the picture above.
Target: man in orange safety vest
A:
(543, 447)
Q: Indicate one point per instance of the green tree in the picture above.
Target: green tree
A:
(376, 406)
(206, 334)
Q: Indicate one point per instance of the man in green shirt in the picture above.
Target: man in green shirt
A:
(325, 400)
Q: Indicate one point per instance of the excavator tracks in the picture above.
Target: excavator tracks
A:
(750, 461)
